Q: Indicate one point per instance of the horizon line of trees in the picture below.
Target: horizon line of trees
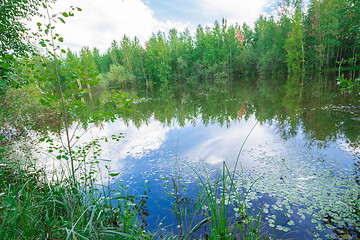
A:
(325, 36)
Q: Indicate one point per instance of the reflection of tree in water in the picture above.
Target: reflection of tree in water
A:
(343, 231)
(301, 102)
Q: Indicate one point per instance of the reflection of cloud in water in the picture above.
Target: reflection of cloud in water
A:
(346, 146)
(137, 142)
(223, 144)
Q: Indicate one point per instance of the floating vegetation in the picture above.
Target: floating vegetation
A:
(323, 196)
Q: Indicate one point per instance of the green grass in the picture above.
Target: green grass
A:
(219, 210)
(33, 208)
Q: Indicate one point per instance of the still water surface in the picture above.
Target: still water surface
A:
(302, 150)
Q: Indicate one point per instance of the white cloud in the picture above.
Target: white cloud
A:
(101, 22)
(239, 11)
(222, 144)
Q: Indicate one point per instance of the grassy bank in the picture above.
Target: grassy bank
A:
(34, 208)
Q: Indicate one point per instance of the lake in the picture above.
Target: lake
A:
(294, 143)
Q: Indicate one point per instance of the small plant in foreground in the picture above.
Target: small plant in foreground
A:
(219, 211)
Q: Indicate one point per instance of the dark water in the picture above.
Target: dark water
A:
(302, 151)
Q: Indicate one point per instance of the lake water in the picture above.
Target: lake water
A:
(299, 162)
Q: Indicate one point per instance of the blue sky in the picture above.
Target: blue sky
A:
(207, 11)
(101, 22)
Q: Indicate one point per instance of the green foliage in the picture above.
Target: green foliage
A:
(292, 40)
(118, 76)
(62, 86)
(332, 28)
(294, 43)
(33, 208)
(348, 85)
(14, 38)
(70, 207)
(328, 33)
(269, 41)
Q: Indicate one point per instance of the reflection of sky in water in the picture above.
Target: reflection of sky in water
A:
(154, 151)
(210, 144)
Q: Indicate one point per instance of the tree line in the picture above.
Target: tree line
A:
(324, 36)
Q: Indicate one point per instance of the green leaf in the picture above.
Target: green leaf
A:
(79, 9)
(42, 43)
(65, 14)
(61, 39)
(13, 83)
(62, 20)
(114, 174)
(9, 57)
(5, 65)
(63, 50)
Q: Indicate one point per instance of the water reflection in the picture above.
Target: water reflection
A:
(312, 104)
(303, 151)
(304, 147)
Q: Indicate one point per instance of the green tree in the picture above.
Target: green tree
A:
(323, 32)
(139, 73)
(246, 59)
(269, 43)
(14, 35)
(158, 59)
(89, 67)
(294, 44)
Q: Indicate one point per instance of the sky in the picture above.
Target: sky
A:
(101, 22)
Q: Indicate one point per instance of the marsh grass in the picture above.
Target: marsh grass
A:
(219, 211)
(34, 208)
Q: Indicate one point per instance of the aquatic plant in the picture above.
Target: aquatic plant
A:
(218, 211)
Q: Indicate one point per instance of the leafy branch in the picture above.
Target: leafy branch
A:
(66, 97)
(348, 84)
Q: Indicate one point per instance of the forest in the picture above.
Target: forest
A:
(321, 38)
(324, 37)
